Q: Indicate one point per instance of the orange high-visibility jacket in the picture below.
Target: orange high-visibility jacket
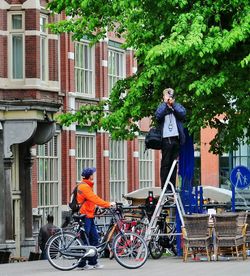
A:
(86, 195)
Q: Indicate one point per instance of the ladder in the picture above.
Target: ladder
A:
(163, 199)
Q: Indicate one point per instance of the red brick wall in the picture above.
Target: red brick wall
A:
(209, 161)
(68, 164)
(26, 94)
(32, 57)
(98, 70)
(157, 164)
(71, 67)
(64, 64)
(68, 137)
(3, 45)
(102, 165)
(3, 57)
(104, 76)
(32, 19)
(3, 20)
(53, 60)
(17, 94)
(129, 63)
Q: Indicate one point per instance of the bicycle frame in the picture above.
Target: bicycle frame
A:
(86, 250)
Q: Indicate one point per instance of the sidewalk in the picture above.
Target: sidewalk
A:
(165, 266)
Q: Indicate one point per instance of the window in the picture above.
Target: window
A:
(85, 153)
(116, 67)
(117, 170)
(197, 167)
(84, 77)
(17, 45)
(224, 171)
(48, 179)
(43, 49)
(145, 166)
(241, 157)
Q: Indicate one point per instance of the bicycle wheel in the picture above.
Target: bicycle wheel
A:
(55, 247)
(130, 250)
(156, 249)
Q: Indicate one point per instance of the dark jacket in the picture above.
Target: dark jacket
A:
(179, 112)
(45, 232)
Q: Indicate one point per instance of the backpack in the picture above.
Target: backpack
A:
(153, 139)
(73, 204)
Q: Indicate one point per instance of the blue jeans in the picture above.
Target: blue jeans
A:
(93, 237)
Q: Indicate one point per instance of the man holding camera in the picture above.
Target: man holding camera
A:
(170, 115)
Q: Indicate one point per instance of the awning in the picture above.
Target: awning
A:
(217, 194)
(143, 193)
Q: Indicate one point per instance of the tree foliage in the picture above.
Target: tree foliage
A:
(200, 48)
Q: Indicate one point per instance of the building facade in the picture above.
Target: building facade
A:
(29, 97)
(42, 74)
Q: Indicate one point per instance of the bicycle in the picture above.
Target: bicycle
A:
(102, 225)
(65, 249)
(164, 238)
(164, 234)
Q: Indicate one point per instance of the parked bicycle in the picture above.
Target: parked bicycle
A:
(164, 237)
(65, 249)
(103, 219)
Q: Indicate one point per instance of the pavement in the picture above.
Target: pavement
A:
(164, 266)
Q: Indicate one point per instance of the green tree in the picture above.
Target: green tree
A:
(199, 47)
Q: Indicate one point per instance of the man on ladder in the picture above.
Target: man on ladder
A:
(170, 115)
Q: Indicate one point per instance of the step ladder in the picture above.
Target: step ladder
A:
(163, 200)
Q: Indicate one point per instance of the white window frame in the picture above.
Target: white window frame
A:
(44, 53)
(117, 169)
(113, 74)
(16, 33)
(49, 179)
(146, 165)
(84, 68)
(85, 153)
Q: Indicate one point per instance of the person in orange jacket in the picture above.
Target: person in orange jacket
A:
(88, 201)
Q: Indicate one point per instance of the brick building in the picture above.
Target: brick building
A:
(29, 98)
(41, 74)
